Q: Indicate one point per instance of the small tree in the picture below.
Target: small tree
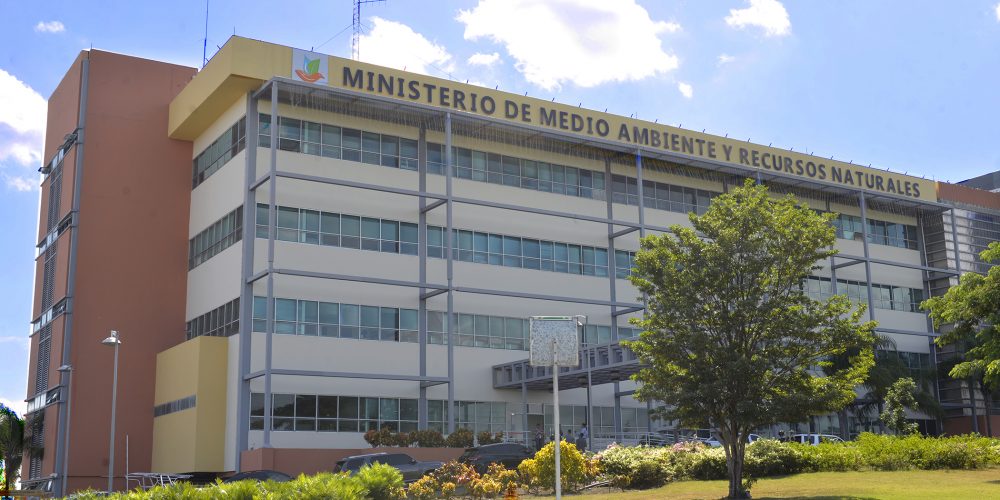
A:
(972, 308)
(897, 400)
(730, 338)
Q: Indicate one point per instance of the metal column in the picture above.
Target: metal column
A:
(246, 288)
(422, 257)
(868, 263)
(272, 228)
(449, 241)
(612, 280)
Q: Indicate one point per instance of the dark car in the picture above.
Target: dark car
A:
(407, 465)
(509, 455)
(259, 475)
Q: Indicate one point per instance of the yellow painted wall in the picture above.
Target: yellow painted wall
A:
(192, 439)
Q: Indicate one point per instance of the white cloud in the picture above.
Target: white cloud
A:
(480, 59)
(725, 59)
(767, 14)
(22, 184)
(685, 89)
(17, 406)
(998, 12)
(396, 45)
(22, 125)
(50, 27)
(585, 42)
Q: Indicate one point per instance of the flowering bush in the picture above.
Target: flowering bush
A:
(461, 438)
(576, 470)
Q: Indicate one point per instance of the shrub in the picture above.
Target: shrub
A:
(383, 482)
(461, 438)
(575, 469)
(381, 437)
(485, 437)
(638, 467)
(769, 457)
(527, 471)
(428, 438)
(705, 464)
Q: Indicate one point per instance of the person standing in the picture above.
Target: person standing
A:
(539, 437)
(581, 439)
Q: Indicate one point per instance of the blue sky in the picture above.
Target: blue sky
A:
(906, 85)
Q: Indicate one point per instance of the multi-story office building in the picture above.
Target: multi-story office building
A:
(352, 247)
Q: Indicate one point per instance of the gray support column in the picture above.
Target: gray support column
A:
(612, 284)
(868, 262)
(422, 257)
(590, 402)
(833, 270)
(612, 271)
(246, 289)
(524, 415)
(449, 241)
(62, 429)
(272, 225)
(639, 191)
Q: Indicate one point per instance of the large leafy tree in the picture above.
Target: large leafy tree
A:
(730, 338)
(972, 309)
(12, 441)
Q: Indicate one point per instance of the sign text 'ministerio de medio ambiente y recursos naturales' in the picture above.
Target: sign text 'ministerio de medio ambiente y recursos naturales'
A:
(584, 123)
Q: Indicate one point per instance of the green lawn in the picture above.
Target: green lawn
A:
(904, 485)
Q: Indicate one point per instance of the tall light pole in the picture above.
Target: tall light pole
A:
(68, 370)
(112, 340)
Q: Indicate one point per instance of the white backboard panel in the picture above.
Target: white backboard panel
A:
(544, 330)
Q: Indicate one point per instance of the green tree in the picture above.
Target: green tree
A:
(730, 339)
(972, 310)
(12, 441)
(901, 395)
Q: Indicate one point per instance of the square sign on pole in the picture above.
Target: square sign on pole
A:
(554, 341)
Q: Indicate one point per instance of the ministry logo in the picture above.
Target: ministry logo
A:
(309, 66)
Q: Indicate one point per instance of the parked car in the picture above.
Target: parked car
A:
(815, 439)
(259, 476)
(407, 465)
(507, 454)
(713, 442)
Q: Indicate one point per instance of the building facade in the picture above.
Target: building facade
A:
(363, 249)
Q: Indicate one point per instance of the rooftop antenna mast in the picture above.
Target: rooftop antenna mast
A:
(355, 46)
(204, 45)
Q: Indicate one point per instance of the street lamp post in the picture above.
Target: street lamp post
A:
(112, 340)
(68, 370)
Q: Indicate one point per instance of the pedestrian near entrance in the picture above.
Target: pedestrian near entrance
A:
(539, 437)
(581, 439)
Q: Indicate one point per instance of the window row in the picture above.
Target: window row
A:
(340, 230)
(301, 136)
(330, 319)
(222, 321)
(310, 412)
(384, 235)
(897, 298)
(217, 154)
(849, 227)
(219, 236)
(918, 363)
(601, 421)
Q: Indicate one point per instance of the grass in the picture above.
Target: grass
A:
(946, 484)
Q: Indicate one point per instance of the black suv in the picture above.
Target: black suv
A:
(509, 455)
(407, 465)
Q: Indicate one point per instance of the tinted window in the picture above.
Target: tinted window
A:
(396, 459)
